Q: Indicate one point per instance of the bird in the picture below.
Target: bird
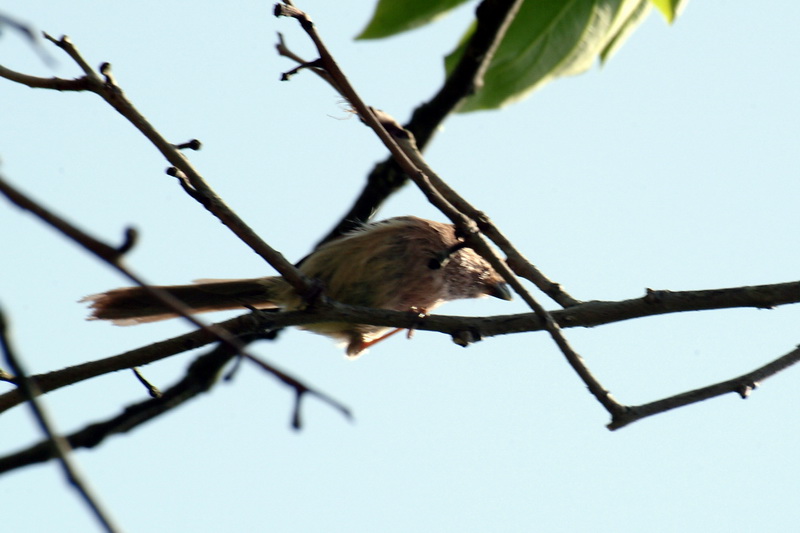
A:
(403, 263)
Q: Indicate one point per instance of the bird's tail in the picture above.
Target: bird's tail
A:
(135, 305)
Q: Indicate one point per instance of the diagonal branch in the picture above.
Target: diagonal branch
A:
(435, 190)
(104, 85)
(742, 385)
(113, 257)
(200, 377)
(56, 445)
(492, 18)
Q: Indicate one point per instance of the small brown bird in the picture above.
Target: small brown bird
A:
(403, 264)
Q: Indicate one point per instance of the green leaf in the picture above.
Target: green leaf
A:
(627, 24)
(549, 39)
(670, 8)
(396, 16)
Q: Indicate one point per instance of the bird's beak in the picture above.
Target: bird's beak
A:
(499, 290)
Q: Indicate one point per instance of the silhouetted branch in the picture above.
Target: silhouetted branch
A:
(492, 18)
(56, 445)
(742, 385)
(112, 257)
(103, 84)
(446, 200)
(200, 377)
(473, 329)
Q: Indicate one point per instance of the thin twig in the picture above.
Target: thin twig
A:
(103, 84)
(152, 390)
(202, 374)
(112, 257)
(283, 50)
(522, 266)
(742, 385)
(57, 445)
(300, 390)
(492, 18)
(435, 194)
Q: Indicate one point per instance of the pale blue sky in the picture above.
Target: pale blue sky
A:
(673, 167)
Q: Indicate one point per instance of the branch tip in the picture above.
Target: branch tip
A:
(297, 421)
(152, 390)
(316, 64)
(287, 10)
(192, 144)
(131, 235)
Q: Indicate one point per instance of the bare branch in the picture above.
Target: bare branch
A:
(200, 377)
(152, 390)
(463, 330)
(521, 265)
(283, 50)
(104, 85)
(435, 190)
(742, 385)
(112, 257)
(55, 444)
(35, 82)
(492, 18)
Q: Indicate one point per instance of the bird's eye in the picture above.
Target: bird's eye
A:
(435, 264)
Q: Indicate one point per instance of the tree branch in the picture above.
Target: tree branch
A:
(200, 377)
(104, 85)
(742, 385)
(112, 256)
(492, 18)
(463, 330)
(56, 445)
(435, 190)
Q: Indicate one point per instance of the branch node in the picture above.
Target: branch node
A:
(105, 70)
(745, 389)
(465, 337)
(317, 63)
(64, 40)
(655, 296)
(315, 293)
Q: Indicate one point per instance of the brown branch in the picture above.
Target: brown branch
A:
(57, 446)
(200, 377)
(35, 82)
(103, 84)
(461, 329)
(492, 18)
(283, 50)
(435, 190)
(112, 256)
(742, 385)
(521, 265)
